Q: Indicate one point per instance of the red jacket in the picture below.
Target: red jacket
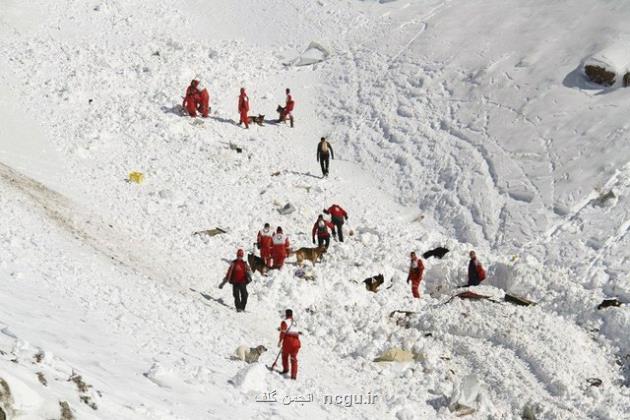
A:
(416, 269)
(238, 273)
(264, 240)
(322, 232)
(192, 95)
(290, 337)
(289, 105)
(243, 103)
(337, 212)
(280, 245)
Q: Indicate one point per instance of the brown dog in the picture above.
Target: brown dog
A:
(260, 119)
(373, 283)
(257, 264)
(311, 254)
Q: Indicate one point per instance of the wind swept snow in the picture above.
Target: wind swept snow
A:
(467, 125)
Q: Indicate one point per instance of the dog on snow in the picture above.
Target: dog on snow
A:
(311, 254)
(248, 354)
(373, 283)
(260, 119)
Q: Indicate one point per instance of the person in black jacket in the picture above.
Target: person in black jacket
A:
(324, 152)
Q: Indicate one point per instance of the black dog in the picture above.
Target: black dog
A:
(373, 283)
(438, 252)
(257, 264)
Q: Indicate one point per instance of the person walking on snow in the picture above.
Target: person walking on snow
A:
(239, 275)
(264, 242)
(320, 228)
(324, 152)
(279, 248)
(476, 272)
(288, 108)
(338, 216)
(192, 98)
(290, 341)
(416, 269)
(243, 107)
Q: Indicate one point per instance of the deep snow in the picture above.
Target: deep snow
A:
(462, 124)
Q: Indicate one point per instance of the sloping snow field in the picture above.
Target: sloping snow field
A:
(465, 124)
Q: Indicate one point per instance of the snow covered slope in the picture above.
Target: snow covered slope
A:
(461, 124)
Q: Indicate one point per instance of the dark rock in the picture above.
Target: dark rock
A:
(608, 303)
(600, 75)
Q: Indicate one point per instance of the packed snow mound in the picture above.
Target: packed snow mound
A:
(314, 53)
(251, 378)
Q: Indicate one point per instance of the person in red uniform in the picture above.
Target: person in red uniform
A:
(288, 108)
(203, 100)
(239, 275)
(290, 341)
(338, 216)
(264, 242)
(416, 269)
(243, 107)
(279, 248)
(320, 228)
(191, 99)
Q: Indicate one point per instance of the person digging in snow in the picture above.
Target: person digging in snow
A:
(476, 272)
(239, 275)
(243, 107)
(320, 228)
(196, 99)
(191, 98)
(264, 242)
(288, 108)
(290, 341)
(279, 248)
(416, 269)
(338, 216)
(324, 153)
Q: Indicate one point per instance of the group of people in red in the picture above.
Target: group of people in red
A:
(274, 247)
(197, 99)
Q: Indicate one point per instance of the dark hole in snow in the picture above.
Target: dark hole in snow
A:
(606, 303)
(594, 381)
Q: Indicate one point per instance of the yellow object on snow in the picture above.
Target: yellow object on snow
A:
(136, 177)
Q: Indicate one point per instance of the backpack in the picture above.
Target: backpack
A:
(325, 147)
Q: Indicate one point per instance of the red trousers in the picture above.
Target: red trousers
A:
(244, 119)
(191, 106)
(265, 254)
(290, 348)
(415, 288)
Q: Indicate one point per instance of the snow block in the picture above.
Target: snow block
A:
(608, 66)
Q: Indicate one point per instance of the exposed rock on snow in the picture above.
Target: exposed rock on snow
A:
(609, 65)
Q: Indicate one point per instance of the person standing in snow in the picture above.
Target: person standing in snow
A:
(338, 216)
(279, 248)
(288, 108)
(324, 152)
(320, 228)
(476, 272)
(192, 98)
(264, 242)
(416, 269)
(290, 341)
(243, 107)
(239, 275)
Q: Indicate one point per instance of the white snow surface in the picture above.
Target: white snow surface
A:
(465, 124)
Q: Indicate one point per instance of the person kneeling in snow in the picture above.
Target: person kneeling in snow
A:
(416, 269)
(290, 340)
(239, 275)
(192, 98)
(203, 100)
(476, 272)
